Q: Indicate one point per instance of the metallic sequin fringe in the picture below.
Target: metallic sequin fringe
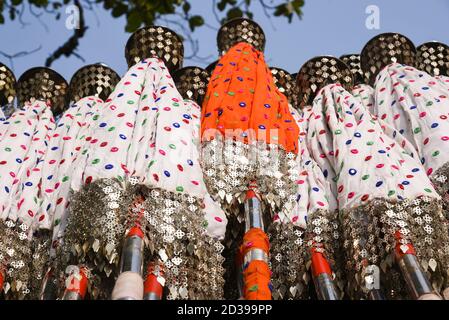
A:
(15, 258)
(230, 165)
(323, 233)
(40, 247)
(288, 257)
(369, 239)
(176, 234)
(440, 180)
(95, 229)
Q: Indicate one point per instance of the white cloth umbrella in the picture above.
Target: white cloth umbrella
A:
(26, 135)
(373, 175)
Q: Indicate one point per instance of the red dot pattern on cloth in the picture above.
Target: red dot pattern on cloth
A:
(417, 105)
(26, 135)
(367, 163)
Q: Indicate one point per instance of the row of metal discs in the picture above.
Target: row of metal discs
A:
(99, 80)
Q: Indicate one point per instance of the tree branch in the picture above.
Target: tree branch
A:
(69, 47)
(19, 54)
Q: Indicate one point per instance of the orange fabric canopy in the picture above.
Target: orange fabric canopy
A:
(243, 100)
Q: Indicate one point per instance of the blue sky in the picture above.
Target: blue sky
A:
(328, 27)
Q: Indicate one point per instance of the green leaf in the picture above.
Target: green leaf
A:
(186, 7)
(280, 10)
(108, 4)
(222, 5)
(195, 21)
(134, 21)
(16, 2)
(39, 3)
(235, 12)
(288, 9)
(119, 10)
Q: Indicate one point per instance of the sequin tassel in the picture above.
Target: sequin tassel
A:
(370, 239)
(15, 255)
(177, 237)
(95, 229)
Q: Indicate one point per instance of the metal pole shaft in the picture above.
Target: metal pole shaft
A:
(414, 276)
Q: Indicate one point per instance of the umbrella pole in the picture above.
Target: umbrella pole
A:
(2, 279)
(154, 282)
(415, 278)
(49, 288)
(76, 284)
(254, 251)
(322, 277)
(129, 284)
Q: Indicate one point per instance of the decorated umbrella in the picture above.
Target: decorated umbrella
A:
(379, 201)
(323, 233)
(89, 87)
(249, 145)
(413, 102)
(148, 197)
(41, 92)
(7, 92)
(297, 240)
(97, 213)
(316, 74)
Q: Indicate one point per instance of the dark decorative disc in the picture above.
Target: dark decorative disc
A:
(319, 72)
(286, 84)
(7, 85)
(433, 58)
(43, 84)
(211, 67)
(192, 83)
(240, 30)
(155, 41)
(93, 80)
(353, 62)
(384, 49)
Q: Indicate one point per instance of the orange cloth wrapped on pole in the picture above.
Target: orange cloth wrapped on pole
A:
(256, 273)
